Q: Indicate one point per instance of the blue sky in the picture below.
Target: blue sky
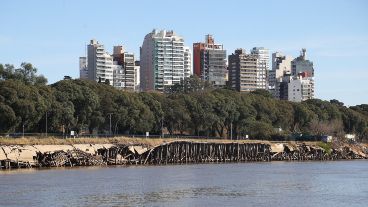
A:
(52, 34)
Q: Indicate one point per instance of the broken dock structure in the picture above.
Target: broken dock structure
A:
(175, 152)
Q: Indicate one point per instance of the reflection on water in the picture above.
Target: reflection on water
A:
(162, 197)
(341, 183)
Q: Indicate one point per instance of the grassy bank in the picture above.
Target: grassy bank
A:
(326, 146)
(115, 140)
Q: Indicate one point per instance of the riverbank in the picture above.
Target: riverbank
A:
(133, 151)
(114, 140)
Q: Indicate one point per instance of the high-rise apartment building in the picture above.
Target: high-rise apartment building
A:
(161, 60)
(281, 65)
(247, 71)
(187, 62)
(301, 88)
(137, 69)
(294, 80)
(83, 70)
(263, 66)
(283, 87)
(302, 65)
(124, 73)
(117, 69)
(209, 61)
(99, 63)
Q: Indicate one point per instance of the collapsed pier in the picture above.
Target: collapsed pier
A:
(176, 152)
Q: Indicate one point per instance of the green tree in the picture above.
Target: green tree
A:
(262, 92)
(176, 117)
(7, 118)
(189, 85)
(257, 129)
(302, 117)
(26, 73)
(154, 102)
(336, 102)
(26, 101)
(84, 100)
(226, 110)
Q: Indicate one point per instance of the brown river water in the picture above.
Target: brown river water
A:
(332, 183)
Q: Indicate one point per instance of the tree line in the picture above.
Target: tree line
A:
(192, 107)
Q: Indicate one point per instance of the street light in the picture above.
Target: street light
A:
(46, 124)
(162, 126)
(110, 121)
(231, 131)
(125, 74)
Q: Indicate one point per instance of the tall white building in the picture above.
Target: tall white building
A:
(187, 62)
(300, 89)
(263, 66)
(137, 69)
(161, 60)
(118, 69)
(99, 63)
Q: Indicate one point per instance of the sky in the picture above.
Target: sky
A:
(52, 35)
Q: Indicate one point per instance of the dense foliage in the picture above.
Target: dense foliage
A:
(191, 108)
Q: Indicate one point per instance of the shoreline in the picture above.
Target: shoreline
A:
(170, 152)
(35, 169)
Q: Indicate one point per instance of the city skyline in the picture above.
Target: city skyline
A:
(53, 34)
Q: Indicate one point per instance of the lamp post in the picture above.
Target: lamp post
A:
(125, 75)
(63, 131)
(162, 126)
(231, 131)
(110, 122)
(46, 124)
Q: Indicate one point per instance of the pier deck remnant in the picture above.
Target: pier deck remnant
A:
(175, 152)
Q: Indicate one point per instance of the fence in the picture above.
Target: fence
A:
(178, 136)
(62, 136)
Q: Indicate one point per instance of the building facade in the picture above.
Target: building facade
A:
(187, 62)
(300, 88)
(283, 88)
(294, 80)
(124, 72)
(117, 69)
(83, 69)
(281, 66)
(302, 65)
(247, 71)
(137, 69)
(162, 60)
(99, 63)
(263, 66)
(209, 61)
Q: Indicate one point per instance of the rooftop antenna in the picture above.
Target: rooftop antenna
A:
(303, 53)
(85, 49)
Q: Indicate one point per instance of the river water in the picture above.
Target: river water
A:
(336, 183)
